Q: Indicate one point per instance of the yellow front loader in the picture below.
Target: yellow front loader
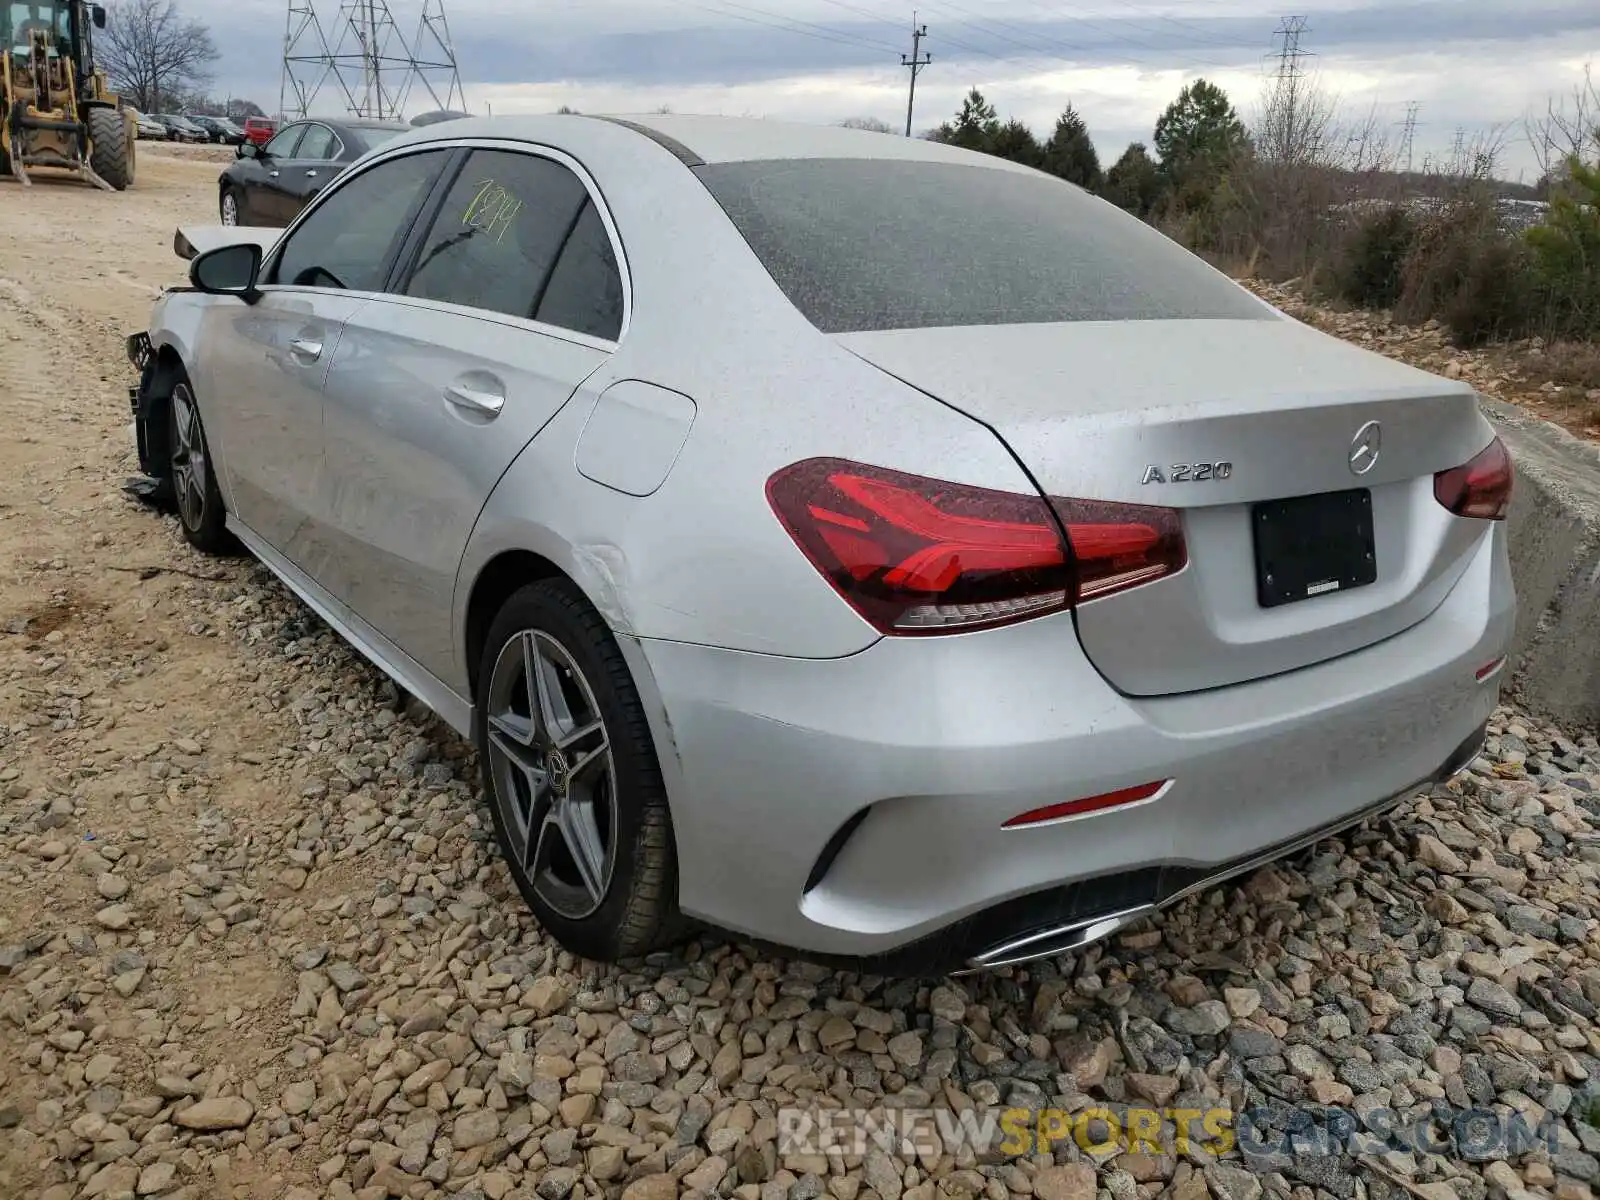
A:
(56, 108)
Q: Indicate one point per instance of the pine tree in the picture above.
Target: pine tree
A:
(1070, 154)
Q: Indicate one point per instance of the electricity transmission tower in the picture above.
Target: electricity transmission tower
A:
(1409, 131)
(1292, 133)
(363, 57)
(914, 62)
(1289, 52)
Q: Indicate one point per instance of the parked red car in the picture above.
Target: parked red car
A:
(259, 130)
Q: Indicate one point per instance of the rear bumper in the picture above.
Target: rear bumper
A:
(774, 761)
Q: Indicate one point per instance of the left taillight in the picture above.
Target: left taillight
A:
(915, 555)
(1480, 488)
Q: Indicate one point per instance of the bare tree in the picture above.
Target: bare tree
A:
(1295, 122)
(152, 51)
(1568, 128)
(870, 124)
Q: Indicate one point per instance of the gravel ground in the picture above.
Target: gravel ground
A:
(255, 941)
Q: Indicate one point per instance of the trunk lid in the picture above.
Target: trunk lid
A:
(1089, 408)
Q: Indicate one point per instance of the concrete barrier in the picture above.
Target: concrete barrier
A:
(1555, 560)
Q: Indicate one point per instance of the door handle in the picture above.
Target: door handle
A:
(305, 348)
(274, 174)
(488, 403)
(311, 174)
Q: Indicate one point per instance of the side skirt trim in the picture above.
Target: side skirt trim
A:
(372, 645)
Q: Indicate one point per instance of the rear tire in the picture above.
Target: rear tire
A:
(110, 148)
(201, 514)
(603, 878)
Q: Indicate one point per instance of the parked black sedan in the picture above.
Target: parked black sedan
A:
(221, 129)
(269, 185)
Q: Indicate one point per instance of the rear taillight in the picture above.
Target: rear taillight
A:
(1480, 488)
(915, 555)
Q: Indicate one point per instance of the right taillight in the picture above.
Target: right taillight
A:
(915, 555)
(1480, 488)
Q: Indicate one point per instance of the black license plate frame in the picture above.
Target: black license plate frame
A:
(1310, 546)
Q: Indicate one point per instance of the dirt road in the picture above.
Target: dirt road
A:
(254, 942)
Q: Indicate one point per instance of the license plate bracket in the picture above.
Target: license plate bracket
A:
(1310, 546)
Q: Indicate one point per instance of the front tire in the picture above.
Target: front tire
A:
(194, 479)
(573, 784)
(232, 211)
(110, 147)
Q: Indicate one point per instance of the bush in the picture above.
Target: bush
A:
(1373, 269)
(1496, 297)
(1566, 252)
(1463, 270)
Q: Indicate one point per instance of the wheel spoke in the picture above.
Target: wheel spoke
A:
(544, 689)
(578, 829)
(569, 740)
(584, 761)
(518, 729)
(523, 760)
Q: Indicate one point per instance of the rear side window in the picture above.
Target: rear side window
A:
(347, 240)
(499, 233)
(865, 244)
(585, 289)
(317, 143)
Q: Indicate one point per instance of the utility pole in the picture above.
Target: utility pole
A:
(914, 63)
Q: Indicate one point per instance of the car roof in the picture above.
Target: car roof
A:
(702, 140)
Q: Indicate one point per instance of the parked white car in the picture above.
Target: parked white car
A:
(862, 545)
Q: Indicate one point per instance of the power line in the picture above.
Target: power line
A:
(1194, 31)
(914, 63)
(1115, 35)
(829, 36)
(826, 29)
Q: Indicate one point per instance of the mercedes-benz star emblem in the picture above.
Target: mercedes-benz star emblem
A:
(1365, 448)
(560, 771)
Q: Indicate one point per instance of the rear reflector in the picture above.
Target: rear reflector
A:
(1489, 669)
(1089, 804)
(1480, 488)
(915, 555)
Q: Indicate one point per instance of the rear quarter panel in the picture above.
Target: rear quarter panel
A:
(703, 559)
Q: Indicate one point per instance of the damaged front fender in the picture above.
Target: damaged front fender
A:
(148, 399)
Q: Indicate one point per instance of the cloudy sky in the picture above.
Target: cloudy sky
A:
(1472, 66)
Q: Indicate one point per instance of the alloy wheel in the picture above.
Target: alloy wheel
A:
(553, 777)
(189, 465)
(230, 209)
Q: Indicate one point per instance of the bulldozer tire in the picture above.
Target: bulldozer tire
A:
(110, 152)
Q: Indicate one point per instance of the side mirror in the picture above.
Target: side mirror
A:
(228, 271)
(248, 150)
(98, 14)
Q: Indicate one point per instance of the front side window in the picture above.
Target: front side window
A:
(318, 143)
(498, 235)
(283, 145)
(348, 241)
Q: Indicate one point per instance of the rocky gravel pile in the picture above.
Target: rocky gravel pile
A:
(302, 973)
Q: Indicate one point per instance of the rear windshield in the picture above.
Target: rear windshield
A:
(864, 244)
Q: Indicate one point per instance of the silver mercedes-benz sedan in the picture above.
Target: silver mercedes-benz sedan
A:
(856, 544)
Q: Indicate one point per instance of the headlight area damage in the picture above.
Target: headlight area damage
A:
(148, 399)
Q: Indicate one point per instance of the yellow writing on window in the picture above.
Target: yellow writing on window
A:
(492, 210)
